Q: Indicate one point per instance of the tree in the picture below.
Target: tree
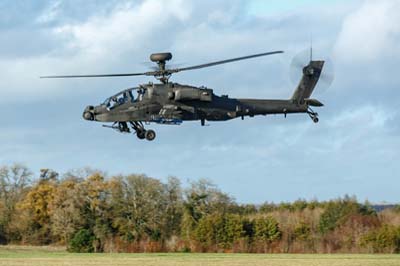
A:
(303, 234)
(219, 231)
(384, 239)
(141, 203)
(82, 242)
(34, 211)
(234, 230)
(267, 231)
(200, 199)
(89, 212)
(95, 192)
(14, 181)
(173, 210)
(336, 212)
(208, 229)
(66, 210)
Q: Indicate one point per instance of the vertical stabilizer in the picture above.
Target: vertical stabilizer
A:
(311, 74)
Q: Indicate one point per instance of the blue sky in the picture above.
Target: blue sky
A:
(353, 150)
(260, 7)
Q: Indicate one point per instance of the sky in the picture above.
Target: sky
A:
(354, 149)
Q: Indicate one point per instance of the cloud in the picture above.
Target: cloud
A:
(50, 13)
(116, 37)
(113, 39)
(371, 32)
(128, 27)
(93, 45)
(256, 159)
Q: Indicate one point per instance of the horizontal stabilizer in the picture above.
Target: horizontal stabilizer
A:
(313, 102)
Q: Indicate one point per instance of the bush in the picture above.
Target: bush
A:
(220, 230)
(337, 212)
(384, 239)
(267, 229)
(82, 242)
(302, 232)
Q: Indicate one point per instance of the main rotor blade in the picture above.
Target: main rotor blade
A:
(166, 72)
(100, 76)
(223, 61)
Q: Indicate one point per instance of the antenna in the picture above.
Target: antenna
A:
(311, 48)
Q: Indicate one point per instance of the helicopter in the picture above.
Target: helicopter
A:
(172, 103)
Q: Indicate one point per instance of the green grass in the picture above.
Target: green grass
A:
(49, 256)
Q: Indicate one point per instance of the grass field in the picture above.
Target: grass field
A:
(45, 256)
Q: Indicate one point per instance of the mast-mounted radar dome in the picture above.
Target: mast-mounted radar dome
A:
(160, 57)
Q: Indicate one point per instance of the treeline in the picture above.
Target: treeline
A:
(90, 212)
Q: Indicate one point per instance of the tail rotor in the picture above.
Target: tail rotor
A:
(302, 60)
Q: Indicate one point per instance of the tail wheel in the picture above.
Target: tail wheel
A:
(150, 135)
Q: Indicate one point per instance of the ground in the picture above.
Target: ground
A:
(51, 256)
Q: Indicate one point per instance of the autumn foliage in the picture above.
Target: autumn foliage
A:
(89, 211)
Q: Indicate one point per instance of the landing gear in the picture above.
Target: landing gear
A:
(137, 126)
(141, 132)
(123, 127)
(313, 115)
(120, 127)
(146, 134)
(150, 135)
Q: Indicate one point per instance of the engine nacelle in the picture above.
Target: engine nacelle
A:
(192, 94)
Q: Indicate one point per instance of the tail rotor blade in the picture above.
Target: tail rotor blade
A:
(327, 77)
(299, 61)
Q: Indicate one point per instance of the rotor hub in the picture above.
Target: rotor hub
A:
(308, 70)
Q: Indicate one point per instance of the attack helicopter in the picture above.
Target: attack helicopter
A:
(172, 103)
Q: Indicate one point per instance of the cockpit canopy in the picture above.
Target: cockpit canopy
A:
(123, 97)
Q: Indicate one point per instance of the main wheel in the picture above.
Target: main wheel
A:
(150, 135)
(315, 119)
(141, 134)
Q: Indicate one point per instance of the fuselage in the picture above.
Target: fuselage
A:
(163, 103)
